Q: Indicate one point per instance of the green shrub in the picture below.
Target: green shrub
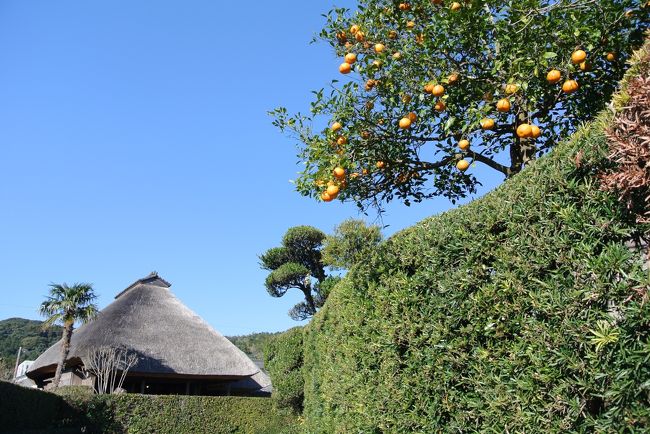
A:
(31, 409)
(283, 359)
(24, 409)
(524, 311)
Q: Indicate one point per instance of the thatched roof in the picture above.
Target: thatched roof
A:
(170, 339)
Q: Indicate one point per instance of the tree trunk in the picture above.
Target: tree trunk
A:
(309, 299)
(65, 350)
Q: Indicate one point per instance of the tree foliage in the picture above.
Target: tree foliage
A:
(25, 333)
(427, 74)
(350, 243)
(297, 264)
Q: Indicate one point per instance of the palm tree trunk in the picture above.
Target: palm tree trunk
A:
(65, 350)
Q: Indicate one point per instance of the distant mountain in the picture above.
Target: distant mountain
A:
(26, 333)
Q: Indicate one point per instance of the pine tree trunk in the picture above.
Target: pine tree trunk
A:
(309, 299)
(65, 350)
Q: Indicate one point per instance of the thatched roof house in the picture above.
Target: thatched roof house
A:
(178, 352)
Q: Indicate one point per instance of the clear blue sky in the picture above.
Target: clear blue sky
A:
(134, 137)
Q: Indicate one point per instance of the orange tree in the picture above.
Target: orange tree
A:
(436, 85)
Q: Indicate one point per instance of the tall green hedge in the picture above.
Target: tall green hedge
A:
(74, 410)
(524, 311)
(283, 357)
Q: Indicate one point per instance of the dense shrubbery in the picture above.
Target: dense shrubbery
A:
(23, 409)
(524, 311)
(284, 359)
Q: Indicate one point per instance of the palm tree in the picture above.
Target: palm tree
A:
(67, 305)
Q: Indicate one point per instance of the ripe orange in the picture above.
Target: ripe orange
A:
(397, 55)
(578, 56)
(410, 24)
(503, 105)
(404, 6)
(438, 90)
(350, 58)
(487, 123)
(524, 130)
(354, 29)
(462, 165)
(339, 173)
(377, 63)
(380, 164)
(379, 48)
(570, 86)
(463, 145)
(332, 190)
(535, 131)
(412, 116)
(336, 126)
(345, 68)
(453, 78)
(392, 34)
(405, 123)
(511, 88)
(359, 36)
(342, 37)
(611, 56)
(342, 141)
(428, 88)
(585, 66)
(455, 6)
(326, 197)
(553, 76)
(440, 106)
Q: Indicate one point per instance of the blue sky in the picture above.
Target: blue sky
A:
(134, 137)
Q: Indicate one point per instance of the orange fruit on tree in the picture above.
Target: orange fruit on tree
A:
(511, 88)
(503, 105)
(585, 66)
(350, 58)
(392, 34)
(419, 38)
(440, 106)
(463, 145)
(462, 165)
(379, 48)
(365, 135)
(406, 99)
(535, 132)
(578, 56)
(332, 190)
(405, 123)
(354, 175)
(570, 86)
(438, 90)
(354, 29)
(336, 126)
(453, 78)
(410, 24)
(342, 141)
(345, 68)
(339, 173)
(404, 6)
(553, 76)
(428, 88)
(524, 130)
(412, 116)
(360, 36)
(487, 123)
(380, 164)
(364, 171)
(397, 55)
(326, 197)
(377, 63)
(611, 56)
(455, 6)
(342, 37)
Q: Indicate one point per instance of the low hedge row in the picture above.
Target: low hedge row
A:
(27, 409)
(524, 311)
(283, 358)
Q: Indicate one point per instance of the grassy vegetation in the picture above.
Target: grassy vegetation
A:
(253, 344)
(524, 311)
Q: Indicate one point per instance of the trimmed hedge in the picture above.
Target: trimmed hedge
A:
(524, 311)
(24, 409)
(283, 358)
